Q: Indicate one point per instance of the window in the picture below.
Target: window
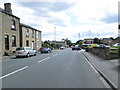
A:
(37, 35)
(32, 33)
(27, 33)
(13, 41)
(27, 43)
(13, 25)
(37, 43)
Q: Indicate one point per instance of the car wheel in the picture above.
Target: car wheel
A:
(35, 54)
(48, 51)
(28, 55)
(17, 56)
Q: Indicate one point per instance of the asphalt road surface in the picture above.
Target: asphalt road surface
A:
(59, 69)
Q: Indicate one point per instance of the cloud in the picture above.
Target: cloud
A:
(43, 7)
(69, 18)
(110, 18)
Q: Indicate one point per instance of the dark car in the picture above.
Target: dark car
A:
(76, 48)
(45, 50)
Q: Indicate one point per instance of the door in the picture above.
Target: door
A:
(33, 44)
(6, 42)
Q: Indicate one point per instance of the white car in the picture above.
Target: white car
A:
(117, 44)
(25, 51)
(62, 47)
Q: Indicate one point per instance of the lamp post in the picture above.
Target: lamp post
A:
(79, 36)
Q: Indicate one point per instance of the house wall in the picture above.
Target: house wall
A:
(0, 33)
(6, 30)
(37, 41)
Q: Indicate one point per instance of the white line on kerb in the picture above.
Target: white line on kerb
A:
(104, 82)
(55, 55)
(92, 66)
(44, 59)
(13, 72)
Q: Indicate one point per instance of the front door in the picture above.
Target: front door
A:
(6, 42)
(33, 44)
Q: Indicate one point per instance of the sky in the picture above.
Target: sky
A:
(72, 19)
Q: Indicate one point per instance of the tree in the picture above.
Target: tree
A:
(96, 40)
(68, 42)
(79, 42)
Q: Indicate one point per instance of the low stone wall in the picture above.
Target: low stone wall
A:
(104, 52)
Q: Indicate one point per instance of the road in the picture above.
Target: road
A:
(59, 69)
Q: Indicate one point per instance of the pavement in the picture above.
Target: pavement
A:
(109, 68)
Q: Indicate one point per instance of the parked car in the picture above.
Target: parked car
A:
(102, 45)
(25, 51)
(92, 45)
(117, 44)
(45, 50)
(76, 48)
(34, 52)
(84, 46)
(62, 48)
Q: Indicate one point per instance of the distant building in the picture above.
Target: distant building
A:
(117, 40)
(9, 26)
(62, 43)
(30, 36)
(107, 40)
(88, 41)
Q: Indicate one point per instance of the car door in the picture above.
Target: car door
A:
(31, 53)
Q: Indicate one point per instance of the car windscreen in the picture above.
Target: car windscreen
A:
(19, 49)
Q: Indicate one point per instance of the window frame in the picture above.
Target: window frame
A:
(13, 27)
(13, 41)
(27, 32)
(33, 34)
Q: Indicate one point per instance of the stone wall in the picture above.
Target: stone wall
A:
(104, 52)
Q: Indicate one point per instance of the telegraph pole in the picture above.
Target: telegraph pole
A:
(89, 33)
(79, 36)
(54, 33)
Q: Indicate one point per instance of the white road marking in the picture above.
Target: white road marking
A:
(13, 72)
(55, 54)
(43, 59)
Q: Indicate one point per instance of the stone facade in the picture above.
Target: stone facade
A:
(13, 35)
(10, 31)
(30, 37)
(0, 34)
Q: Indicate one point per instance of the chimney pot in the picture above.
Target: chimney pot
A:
(7, 7)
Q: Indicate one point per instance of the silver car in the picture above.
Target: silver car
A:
(25, 51)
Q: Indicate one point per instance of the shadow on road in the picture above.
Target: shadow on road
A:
(18, 57)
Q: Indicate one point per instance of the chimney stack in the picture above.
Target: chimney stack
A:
(7, 7)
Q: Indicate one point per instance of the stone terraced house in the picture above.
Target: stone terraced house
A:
(13, 34)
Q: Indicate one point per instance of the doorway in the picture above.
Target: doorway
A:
(6, 42)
